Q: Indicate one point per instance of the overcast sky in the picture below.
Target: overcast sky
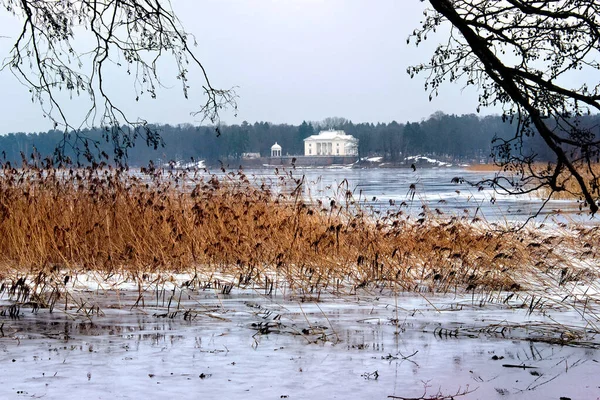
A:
(292, 60)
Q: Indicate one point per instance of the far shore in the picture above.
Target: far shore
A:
(346, 162)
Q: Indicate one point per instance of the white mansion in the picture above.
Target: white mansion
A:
(331, 143)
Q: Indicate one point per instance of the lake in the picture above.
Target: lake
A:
(375, 187)
(249, 346)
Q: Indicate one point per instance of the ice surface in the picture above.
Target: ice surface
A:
(253, 347)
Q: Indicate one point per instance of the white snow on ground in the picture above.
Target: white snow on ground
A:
(373, 159)
(428, 160)
(183, 165)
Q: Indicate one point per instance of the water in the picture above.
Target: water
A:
(375, 187)
(359, 347)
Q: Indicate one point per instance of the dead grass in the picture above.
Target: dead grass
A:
(572, 190)
(483, 168)
(57, 223)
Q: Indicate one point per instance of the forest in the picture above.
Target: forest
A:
(464, 138)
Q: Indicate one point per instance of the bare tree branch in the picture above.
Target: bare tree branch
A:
(129, 34)
(521, 54)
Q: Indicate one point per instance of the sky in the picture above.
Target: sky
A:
(289, 60)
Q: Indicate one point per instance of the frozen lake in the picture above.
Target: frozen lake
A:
(253, 347)
(375, 187)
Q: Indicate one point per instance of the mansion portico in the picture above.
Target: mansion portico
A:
(331, 143)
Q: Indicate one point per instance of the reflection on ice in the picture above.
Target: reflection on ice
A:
(252, 347)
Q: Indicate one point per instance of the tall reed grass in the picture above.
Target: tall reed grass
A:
(58, 222)
(572, 190)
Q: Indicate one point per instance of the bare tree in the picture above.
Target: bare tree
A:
(523, 55)
(128, 34)
(331, 123)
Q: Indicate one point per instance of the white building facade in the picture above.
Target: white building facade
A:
(331, 143)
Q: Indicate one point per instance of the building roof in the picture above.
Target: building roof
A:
(276, 147)
(331, 135)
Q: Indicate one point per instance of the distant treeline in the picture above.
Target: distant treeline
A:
(452, 137)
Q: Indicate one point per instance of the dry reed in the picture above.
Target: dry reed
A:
(57, 223)
(484, 168)
(572, 191)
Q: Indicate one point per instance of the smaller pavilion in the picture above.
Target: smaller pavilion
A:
(276, 150)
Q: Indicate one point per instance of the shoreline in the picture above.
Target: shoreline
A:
(330, 162)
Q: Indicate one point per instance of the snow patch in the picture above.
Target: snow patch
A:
(428, 160)
(185, 165)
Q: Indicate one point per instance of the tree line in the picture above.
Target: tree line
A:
(466, 138)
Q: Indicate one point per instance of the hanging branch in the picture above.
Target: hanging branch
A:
(521, 55)
(128, 34)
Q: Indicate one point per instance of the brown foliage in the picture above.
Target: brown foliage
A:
(145, 222)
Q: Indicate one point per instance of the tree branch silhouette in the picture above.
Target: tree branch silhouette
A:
(522, 56)
(128, 34)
